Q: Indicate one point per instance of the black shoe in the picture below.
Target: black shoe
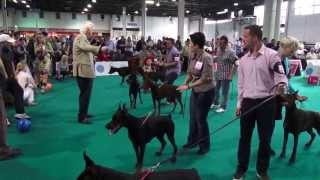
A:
(189, 146)
(89, 116)
(239, 175)
(9, 153)
(263, 176)
(85, 121)
(202, 151)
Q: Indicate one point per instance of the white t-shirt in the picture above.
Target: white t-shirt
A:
(24, 79)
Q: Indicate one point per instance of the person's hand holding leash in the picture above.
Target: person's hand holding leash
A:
(281, 88)
(183, 88)
(238, 112)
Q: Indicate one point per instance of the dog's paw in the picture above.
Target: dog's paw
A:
(292, 161)
(282, 156)
(307, 146)
(138, 166)
(173, 159)
(158, 153)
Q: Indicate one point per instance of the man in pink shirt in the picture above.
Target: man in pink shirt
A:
(260, 70)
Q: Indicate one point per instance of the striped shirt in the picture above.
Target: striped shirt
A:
(224, 62)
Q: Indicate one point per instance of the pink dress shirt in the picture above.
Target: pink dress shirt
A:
(256, 74)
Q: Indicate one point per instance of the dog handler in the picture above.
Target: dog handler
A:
(83, 68)
(201, 80)
(259, 71)
(5, 151)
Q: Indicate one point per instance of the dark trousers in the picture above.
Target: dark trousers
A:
(3, 124)
(171, 77)
(85, 87)
(198, 128)
(185, 63)
(16, 90)
(264, 116)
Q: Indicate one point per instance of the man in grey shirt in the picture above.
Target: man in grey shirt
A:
(171, 63)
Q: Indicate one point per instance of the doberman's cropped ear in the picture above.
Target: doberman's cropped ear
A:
(88, 161)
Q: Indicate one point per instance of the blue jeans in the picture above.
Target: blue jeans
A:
(225, 85)
(198, 128)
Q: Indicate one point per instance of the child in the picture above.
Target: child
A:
(64, 66)
(57, 56)
(148, 66)
(26, 82)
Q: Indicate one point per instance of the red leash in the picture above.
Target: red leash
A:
(145, 174)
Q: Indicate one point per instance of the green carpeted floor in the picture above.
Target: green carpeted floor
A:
(53, 149)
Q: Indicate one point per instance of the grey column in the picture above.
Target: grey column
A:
(201, 24)
(4, 15)
(124, 21)
(144, 16)
(270, 9)
(290, 12)
(181, 9)
(277, 20)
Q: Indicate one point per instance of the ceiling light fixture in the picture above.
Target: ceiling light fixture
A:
(223, 12)
(94, 1)
(150, 2)
(27, 6)
(82, 12)
(15, 1)
(187, 11)
(136, 12)
(23, 2)
(174, 0)
(85, 9)
(89, 5)
(236, 4)
(158, 4)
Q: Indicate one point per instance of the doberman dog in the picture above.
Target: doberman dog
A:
(142, 130)
(297, 121)
(167, 91)
(123, 72)
(96, 172)
(134, 90)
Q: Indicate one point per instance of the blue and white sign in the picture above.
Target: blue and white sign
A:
(103, 68)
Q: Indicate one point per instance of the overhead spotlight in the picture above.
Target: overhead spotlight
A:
(150, 2)
(85, 9)
(23, 2)
(223, 12)
(15, 1)
(93, 1)
(236, 4)
(187, 11)
(89, 5)
(27, 6)
(82, 12)
(158, 4)
(136, 12)
(174, 0)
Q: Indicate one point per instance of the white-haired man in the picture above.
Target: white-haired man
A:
(83, 69)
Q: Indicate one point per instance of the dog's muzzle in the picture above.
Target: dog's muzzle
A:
(112, 131)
